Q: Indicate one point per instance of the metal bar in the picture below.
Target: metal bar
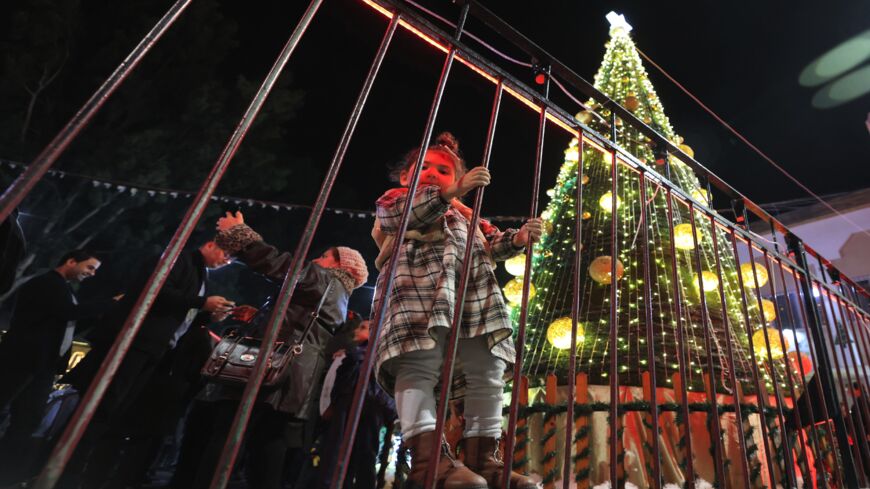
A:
(842, 405)
(786, 446)
(15, 193)
(822, 390)
(803, 384)
(524, 303)
(788, 370)
(567, 465)
(614, 316)
(650, 334)
(860, 408)
(716, 434)
(453, 342)
(450, 354)
(85, 411)
(681, 345)
(230, 450)
(738, 414)
(761, 394)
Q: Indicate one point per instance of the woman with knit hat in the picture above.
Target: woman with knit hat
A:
(281, 412)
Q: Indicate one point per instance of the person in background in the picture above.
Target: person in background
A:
(336, 397)
(35, 349)
(182, 297)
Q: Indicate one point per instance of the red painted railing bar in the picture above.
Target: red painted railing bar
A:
(716, 432)
(761, 394)
(785, 445)
(819, 389)
(614, 317)
(729, 349)
(803, 385)
(15, 193)
(567, 463)
(520, 342)
(860, 408)
(656, 462)
(788, 368)
(843, 401)
(681, 345)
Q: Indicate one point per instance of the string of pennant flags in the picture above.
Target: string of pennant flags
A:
(153, 191)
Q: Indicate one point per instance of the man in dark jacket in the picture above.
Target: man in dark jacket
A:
(36, 348)
(182, 297)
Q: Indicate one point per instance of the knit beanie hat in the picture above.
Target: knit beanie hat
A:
(354, 264)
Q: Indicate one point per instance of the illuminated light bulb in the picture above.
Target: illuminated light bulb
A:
(709, 280)
(768, 310)
(749, 279)
(600, 269)
(559, 333)
(572, 155)
(606, 202)
(513, 291)
(777, 348)
(516, 266)
(683, 236)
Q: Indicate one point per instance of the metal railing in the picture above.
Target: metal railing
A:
(825, 306)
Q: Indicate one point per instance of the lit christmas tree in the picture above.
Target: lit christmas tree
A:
(623, 78)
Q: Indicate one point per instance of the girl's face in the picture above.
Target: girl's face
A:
(437, 170)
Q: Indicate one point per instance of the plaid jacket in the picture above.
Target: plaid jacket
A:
(427, 276)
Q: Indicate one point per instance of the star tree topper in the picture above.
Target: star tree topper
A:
(618, 24)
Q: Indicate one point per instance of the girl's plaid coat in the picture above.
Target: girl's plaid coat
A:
(427, 276)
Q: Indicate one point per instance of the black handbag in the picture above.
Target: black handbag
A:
(232, 360)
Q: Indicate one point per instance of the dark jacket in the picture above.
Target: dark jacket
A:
(300, 394)
(180, 294)
(12, 250)
(42, 309)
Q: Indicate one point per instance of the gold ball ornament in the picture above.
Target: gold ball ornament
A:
(683, 236)
(701, 194)
(516, 266)
(768, 310)
(559, 333)
(710, 281)
(586, 215)
(685, 148)
(600, 269)
(606, 202)
(631, 103)
(585, 117)
(513, 290)
(548, 227)
(777, 347)
(749, 279)
(584, 180)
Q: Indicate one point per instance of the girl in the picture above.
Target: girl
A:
(420, 314)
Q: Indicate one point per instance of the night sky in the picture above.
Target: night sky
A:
(743, 61)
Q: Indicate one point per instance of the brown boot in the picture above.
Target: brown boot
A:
(481, 454)
(452, 474)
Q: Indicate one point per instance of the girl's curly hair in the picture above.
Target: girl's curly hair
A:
(445, 143)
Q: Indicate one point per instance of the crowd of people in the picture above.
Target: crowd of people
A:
(297, 424)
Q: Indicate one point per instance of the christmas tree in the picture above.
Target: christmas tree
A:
(674, 310)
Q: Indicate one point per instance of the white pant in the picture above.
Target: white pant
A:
(417, 374)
